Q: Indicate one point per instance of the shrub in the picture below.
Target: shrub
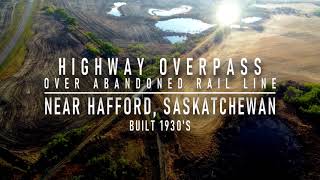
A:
(71, 21)
(309, 98)
(180, 48)
(313, 110)
(121, 74)
(137, 50)
(292, 94)
(62, 143)
(61, 14)
(105, 48)
(104, 166)
(92, 49)
(93, 37)
(306, 99)
(150, 71)
(309, 86)
(269, 88)
(50, 10)
(108, 49)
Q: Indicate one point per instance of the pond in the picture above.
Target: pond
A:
(183, 25)
(115, 9)
(162, 12)
(250, 20)
(238, 26)
(176, 39)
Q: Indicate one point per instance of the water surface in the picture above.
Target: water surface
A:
(162, 12)
(250, 20)
(238, 26)
(176, 39)
(183, 25)
(115, 9)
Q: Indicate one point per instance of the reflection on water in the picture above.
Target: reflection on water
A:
(238, 26)
(161, 12)
(176, 39)
(183, 25)
(249, 20)
(115, 9)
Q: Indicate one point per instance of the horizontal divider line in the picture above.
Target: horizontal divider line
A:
(158, 93)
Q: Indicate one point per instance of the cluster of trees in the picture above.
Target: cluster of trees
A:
(137, 50)
(152, 61)
(106, 167)
(96, 46)
(97, 165)
(61, 14)
(100, 47)
(306, 98)
(61, 144)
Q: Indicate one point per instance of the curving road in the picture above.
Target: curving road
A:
(21, 27)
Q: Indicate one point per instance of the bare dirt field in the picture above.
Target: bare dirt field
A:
(24, 90)
(135, 25)
(288, 44)
(289, 47)
(6, 14)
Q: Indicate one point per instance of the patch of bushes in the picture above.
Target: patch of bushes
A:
(305, 98)
(49, 9)
(180, 48)
(92, 37)
(152, 68)
(150, 71)
(92, 49)
(137, 50)
(151, 63)
(292, 94)
(121, 74)
(61, 144)
(97, 46)
(105, 48)
(269, 88)
(61, 14)
(108, 49)
(106, 167)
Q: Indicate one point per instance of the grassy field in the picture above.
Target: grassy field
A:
(9, 32)
(16, 58)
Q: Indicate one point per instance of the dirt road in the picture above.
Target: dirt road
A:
(21, 27)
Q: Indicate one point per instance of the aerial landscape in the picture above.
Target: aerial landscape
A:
(36, 34)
